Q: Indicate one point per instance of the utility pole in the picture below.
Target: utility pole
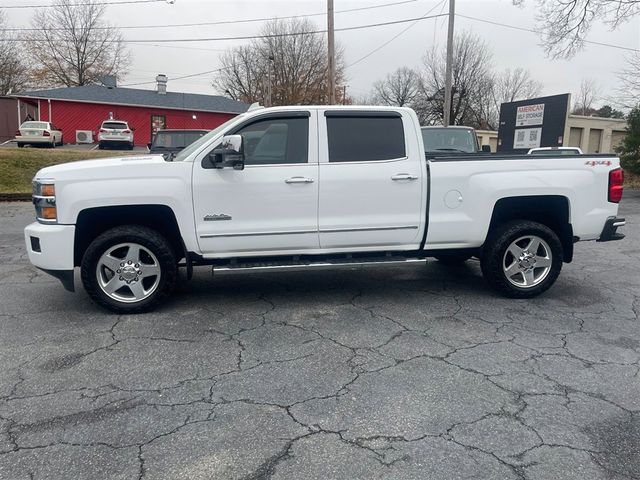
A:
(447, 80)
(269, 99)
(332, 53)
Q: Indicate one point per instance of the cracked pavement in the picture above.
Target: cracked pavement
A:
(406, 372)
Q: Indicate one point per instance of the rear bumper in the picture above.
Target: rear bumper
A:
(609, 232)
(50, 248)
(34, 140)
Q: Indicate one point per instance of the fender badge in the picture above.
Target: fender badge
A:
(216, 217)
(593, 163)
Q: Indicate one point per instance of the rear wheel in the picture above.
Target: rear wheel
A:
(522, 259)
(129, 269)
(20, 145)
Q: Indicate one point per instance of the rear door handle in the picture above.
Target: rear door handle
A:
(404, 176)
(299, 180)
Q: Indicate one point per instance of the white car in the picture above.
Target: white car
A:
(303, 187)
(555, 151)
(38, 133)
(115, 133)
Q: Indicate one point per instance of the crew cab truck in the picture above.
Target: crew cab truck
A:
(300, 187)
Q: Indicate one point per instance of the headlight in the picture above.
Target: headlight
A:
(44, 199)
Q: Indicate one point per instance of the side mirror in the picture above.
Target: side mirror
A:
(486, 148)
(229, 154)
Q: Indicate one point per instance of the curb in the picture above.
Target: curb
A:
(15, 197)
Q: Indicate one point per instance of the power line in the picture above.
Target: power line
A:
(251, 37)
(491, 22)
(116, 2)
(221, 22)
(394, 37)
(176, 78)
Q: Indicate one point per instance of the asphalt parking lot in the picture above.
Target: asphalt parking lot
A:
(415, 372)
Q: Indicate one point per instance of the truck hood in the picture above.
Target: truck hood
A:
(89, 169)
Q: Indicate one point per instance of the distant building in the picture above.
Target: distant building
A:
(594, 134)
(488, 137)
(83, 109)
(12, 114)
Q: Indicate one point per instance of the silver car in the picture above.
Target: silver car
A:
(38, 133)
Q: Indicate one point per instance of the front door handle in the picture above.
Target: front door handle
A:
(299, 180)
(404, 176)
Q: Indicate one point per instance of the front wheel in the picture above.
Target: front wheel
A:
(129, 269)
(522, 259)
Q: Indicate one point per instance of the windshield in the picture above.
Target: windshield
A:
(184, 153)
(176, 140)
(449, 140)
(43, 125)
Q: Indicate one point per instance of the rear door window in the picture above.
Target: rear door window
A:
(114, 125)
(365, 136)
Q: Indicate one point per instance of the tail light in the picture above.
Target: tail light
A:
(102, 130)
(616, 182)
(46, 134)
(18, 133)
(126, 131)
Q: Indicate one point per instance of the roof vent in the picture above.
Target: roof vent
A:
(109, 81)
(161, 84)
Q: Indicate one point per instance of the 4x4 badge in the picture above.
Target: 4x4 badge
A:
(216, 217)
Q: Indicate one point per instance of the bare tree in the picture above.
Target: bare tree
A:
(297, 59)
(400, 88)
(565, 23)
(516, 84)
(14, 72)
(587, 95)
(629, 92)
(472, 83)
(74, 45)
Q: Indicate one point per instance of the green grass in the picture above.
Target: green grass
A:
(19, 165)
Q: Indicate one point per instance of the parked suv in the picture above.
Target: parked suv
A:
(115, 133)
(38, 133)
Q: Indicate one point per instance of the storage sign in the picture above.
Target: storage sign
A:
(530, 115)
(527, 138)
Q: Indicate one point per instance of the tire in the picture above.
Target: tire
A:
(20, 145)
(130, 147)
(100, 146)
(535, 268)
(136, 282)
(453, 259)
(52, 144)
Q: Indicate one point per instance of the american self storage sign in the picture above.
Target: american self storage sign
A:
(530, 115)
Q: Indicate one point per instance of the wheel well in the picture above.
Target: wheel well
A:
(550, 210)
(94, 221)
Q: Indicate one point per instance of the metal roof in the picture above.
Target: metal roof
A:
(143, 98)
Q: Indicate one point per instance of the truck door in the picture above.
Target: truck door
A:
(372, 180)
(271, 205)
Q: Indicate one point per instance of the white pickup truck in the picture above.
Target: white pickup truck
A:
(308, 186)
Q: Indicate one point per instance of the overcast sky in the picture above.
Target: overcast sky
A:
(510, 48)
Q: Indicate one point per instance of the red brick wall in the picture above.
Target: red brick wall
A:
(72, 116)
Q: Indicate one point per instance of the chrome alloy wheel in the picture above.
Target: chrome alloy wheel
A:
(128, 272)
(527, 261)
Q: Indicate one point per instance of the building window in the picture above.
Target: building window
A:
(158, 122)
